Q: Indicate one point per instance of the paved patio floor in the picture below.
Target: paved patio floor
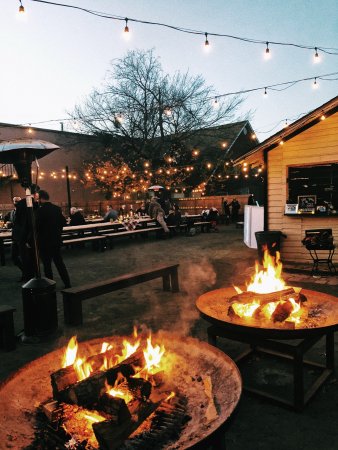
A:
(207, 261)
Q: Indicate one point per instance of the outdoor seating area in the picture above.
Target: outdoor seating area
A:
(168, 225)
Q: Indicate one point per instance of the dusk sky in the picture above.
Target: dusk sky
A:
(51, 57)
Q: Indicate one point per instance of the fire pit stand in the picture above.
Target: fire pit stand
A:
(294, 351)
(287, 344)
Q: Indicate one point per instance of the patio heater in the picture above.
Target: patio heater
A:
(38, 294)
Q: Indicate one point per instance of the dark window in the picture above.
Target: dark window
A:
(321, 181)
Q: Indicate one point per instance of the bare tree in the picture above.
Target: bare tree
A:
(149, 118)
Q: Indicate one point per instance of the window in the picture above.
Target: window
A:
(320, 181)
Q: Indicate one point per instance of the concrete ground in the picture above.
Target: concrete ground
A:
(207, 261)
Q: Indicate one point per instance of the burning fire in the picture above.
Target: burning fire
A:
(270, 278)
(153, 356)
(267, 281)
(70, 353)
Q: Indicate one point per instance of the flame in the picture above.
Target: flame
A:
(94, 418)
(127, 350)
(245, 309)
(119, 393)
(83, 369)
(153, 356)
(70, 353)
(171, 395)
(118, 390)
(269, 279)
(105, 347)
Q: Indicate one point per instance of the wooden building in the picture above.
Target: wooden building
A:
(301, 182)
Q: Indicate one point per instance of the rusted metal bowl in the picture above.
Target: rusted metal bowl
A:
(21, 393)
(322, 310)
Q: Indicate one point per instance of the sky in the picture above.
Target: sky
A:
(52, 57)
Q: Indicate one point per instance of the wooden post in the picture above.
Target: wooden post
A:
(68, 189)
(174, 280)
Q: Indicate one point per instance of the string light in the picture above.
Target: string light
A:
(316, 58)
(286, 123)
(281, 142)
(21, 7)
(253, 136)
(322, 117)
(265, 93)
(126, 28)
(315, 84)
(215, 103)
(206, 43)
(104, 15)
(267, 54)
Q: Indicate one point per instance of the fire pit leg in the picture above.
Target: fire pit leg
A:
(298, 381)
(212, 337)
(219, 442)
(330, 351)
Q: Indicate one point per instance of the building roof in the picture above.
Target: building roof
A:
(297, 127)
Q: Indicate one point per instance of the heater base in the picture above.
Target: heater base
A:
(293, 351)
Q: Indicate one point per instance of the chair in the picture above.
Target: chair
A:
(320, 240)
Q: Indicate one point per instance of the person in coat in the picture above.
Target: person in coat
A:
(49, 224)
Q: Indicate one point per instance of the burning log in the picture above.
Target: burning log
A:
(111, 436)
(249, 297)
(163, 425)
(52, 410)
(87, 391)
(282, 311)
(116, 408)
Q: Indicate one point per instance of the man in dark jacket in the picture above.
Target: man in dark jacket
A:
(49, 224)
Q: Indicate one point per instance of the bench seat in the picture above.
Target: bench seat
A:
(73, 297)
(94, 239)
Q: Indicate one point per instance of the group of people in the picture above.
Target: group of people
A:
(49, 222)
(231, 210)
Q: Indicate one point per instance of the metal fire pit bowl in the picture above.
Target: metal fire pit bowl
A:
(214, 305)
(21, 393)
(271, 338)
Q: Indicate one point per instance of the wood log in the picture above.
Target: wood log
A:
(116, 408)
(111, 436)
(248, 297)
(88, 391)
(282, 311)
(66, 376)
(52, 410)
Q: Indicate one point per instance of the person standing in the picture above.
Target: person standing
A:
(157, 213)
(226, 209)
(49, 224)
(251, 200)
(235, 207)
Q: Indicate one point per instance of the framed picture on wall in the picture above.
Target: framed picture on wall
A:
(307, 203)
(291, 208)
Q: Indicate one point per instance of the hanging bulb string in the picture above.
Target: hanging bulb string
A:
(273, 87)
(328, 50)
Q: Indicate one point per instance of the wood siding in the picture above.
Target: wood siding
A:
(316, 145)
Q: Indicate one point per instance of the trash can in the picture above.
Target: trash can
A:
(269, 240)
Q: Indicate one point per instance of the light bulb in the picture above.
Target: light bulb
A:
(316, 58)
(267, 54)
(286, 123)
(315, 84)
(21, 8)
(206, 43)
(215, 103)
(265, 95)
(126, 28)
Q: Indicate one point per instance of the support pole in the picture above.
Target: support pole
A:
(68, 189)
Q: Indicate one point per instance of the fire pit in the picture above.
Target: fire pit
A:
(122, 397)
(269, 310)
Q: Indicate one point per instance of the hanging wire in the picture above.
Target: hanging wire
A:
(328, 50)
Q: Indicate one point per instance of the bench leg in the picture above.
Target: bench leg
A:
(2, 253)
(174, 280)
(72, 310)
(166, 282)
(7, 331)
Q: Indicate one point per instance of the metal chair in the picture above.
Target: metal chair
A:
(320, 240)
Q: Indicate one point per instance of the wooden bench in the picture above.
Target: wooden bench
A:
(7, 335)
(203, 224)
(101, 240)
(130, 233)
(73, 297)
